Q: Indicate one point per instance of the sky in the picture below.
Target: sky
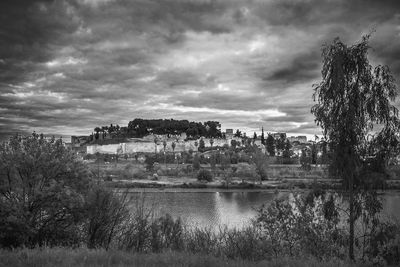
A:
(67, 66)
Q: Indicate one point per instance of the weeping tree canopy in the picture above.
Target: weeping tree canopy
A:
(355, 109)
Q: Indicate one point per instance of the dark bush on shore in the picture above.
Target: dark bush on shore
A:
(42, 189)
(204, 175)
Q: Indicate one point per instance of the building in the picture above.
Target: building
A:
(77, 141)
(278, 135)
(229, 133)
(301, 139)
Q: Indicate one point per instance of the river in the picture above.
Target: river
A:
(233, 209)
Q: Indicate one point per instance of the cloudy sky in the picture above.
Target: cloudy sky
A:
(67, 66)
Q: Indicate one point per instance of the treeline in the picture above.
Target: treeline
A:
(142, 127)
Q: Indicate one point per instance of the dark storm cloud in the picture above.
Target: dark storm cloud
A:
(68, 66)
(28, 29)
(302, 67)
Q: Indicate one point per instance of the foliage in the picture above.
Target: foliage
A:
(351, 98)
(149, 162)
(105, 214)
(238, 133)
(167, 233)
(204, 175)
(246, 171)
(262, 136)
(305, 161)
(42, 185)
(287, 150)
(196, 162)
(201, 144)
(260, 161)
(281, 142)
(233, 143)
(142, 127)
(295, 227)
(213, 161)
(225, 161)
(131, 171)
(314, 152)
(384, 245)
(270, 145)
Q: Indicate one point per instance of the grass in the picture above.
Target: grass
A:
(64, 257)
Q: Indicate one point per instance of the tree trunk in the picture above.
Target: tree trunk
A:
(351, 219)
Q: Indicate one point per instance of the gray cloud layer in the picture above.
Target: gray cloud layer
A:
(68, 66)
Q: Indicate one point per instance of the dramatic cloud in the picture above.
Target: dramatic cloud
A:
(69, 66)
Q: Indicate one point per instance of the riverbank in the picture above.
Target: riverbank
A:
(170, 183)
(129, 174)
(82, 257)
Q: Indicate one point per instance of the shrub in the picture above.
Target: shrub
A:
(384, 247)
(171, 172)
(202, 241)
(42, 185)
(246, 171)
(104, 217)
(133, 172)
(196, 162)
(167, 233)
(294, 227)
(149, 162)
(139, 174)
(204, 175)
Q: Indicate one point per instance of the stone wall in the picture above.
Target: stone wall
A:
(147, 146)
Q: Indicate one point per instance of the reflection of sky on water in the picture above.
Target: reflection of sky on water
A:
(234, 209)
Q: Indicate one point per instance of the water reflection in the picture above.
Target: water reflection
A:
(234, 209)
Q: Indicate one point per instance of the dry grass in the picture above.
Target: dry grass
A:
(64, 257)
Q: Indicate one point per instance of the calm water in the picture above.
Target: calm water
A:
(234, 209)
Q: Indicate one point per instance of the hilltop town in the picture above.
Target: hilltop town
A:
(155, 138)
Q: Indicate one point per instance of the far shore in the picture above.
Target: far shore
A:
(190, 185)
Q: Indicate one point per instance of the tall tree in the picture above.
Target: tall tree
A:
(351, 99)
(238, 133)
(233, 143)
(262, 136)
(202, 145)
(165, 155)
(287, 151)
(155, 145)
(270, 145)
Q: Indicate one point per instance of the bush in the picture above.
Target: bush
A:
(196, 162)
(42, 185)
(149, 162)
(292, 226)
(167, 233)
(133, 172)
(246, 171)
(384, 244)
(171, 172)
(204, 175)
(105, 215)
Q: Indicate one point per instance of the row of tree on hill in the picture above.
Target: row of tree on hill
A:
(142, 127)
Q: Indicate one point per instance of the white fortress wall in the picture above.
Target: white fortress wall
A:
(150, 147)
